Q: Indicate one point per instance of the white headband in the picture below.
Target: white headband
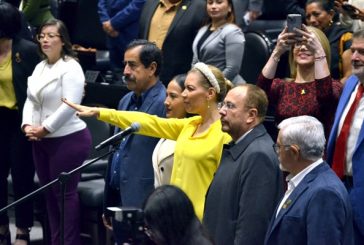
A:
(205, 70)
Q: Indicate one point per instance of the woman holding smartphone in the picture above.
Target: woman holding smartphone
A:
(310, 90)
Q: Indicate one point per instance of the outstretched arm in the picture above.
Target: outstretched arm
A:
(83, 111)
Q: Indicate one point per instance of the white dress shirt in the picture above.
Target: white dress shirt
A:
(294, 181)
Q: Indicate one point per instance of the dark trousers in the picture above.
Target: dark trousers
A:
(15, 155)
(52, 156)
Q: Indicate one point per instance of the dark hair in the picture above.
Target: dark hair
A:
(327, 5)
(62, 31)
(230, 18)
(149, 53)
(10, 20)
(180, 80)
(169, 212)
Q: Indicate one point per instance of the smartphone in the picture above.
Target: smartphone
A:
(294, 20)
(351, 10)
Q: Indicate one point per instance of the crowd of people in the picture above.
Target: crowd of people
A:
(202, 166)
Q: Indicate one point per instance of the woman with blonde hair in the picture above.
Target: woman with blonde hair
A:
(199, 139)
(310, 90)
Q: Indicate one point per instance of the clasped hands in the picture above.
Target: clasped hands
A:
(108, 28)
(34, 133)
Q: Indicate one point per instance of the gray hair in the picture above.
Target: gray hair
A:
(305, 131)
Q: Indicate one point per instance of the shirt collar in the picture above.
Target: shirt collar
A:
(294, 181)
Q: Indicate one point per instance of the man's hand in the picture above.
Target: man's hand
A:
(108, 28)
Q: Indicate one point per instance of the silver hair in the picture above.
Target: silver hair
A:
(305, 131)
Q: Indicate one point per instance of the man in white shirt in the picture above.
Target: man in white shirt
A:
(316, 207)
(351, 165)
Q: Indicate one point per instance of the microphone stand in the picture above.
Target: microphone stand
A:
(62, 179)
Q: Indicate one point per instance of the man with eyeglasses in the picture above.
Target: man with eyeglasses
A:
(248, 183)
(315, 208)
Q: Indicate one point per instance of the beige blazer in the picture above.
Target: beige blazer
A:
(163, 161)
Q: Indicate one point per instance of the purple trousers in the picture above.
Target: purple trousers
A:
(53, 156)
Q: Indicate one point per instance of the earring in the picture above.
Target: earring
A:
(208, 104)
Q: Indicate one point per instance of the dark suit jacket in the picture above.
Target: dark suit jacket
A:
(177, 47)
(318, 211)
(124, 16)
(242, 6)
(136, 171)
(244, 192)
(357, 193)
(24, 59)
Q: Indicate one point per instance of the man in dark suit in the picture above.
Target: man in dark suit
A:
(172, 25)
(248, 184)
(130, 177)
(351, 168)
(315, 208)
(120, 21)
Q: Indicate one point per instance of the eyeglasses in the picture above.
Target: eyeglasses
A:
(228, 105)
(49, 35)
(299, 44)
(277, 147)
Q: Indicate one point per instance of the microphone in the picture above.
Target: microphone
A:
(134, 127)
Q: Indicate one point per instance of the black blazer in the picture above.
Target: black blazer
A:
(25, 57)
(177, 47)
(245, 190)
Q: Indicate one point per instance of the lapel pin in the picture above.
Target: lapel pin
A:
(287, 203)
(17, 57)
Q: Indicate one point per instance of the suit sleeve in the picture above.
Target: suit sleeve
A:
(72, 84)
(255, 5)
(326, 218)
(234, 51)
(102, 11)
(127, 15)
(258, 198)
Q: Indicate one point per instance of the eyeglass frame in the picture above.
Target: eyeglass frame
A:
(228, 105)
(277, 147)
(49, 35)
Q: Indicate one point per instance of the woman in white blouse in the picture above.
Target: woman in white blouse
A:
(61, 141)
